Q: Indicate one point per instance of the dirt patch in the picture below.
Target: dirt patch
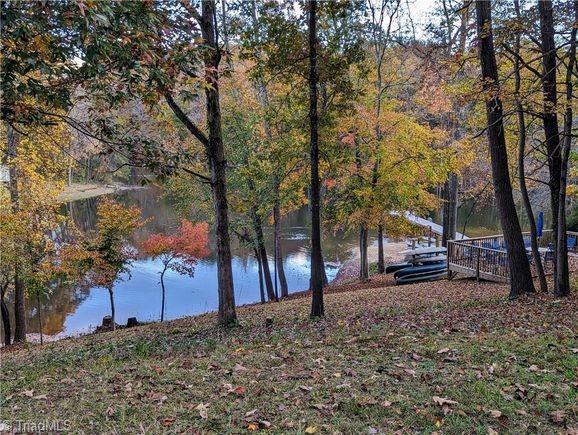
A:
(350, 269)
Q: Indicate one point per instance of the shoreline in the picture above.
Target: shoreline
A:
(78, 191)
(346, 280)
(350, 268)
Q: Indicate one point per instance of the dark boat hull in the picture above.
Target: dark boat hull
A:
(395, 267)
(420, 269)
(421, 277)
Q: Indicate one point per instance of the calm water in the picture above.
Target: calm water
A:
(71, 310)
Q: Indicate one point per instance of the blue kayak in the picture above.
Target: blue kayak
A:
(421, 277)
(395, 267)
(419, 269)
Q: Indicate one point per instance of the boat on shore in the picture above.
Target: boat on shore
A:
(420, 269)
(421, 264)
(397, 266)
(421, 277)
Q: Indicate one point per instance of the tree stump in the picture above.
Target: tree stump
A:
(132, 321)
(106, 322)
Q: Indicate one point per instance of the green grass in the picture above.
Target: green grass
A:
(375, 363)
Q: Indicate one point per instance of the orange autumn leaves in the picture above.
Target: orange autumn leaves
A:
(188, 244)
(179, 251)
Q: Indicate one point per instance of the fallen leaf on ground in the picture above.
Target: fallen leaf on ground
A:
(251, 412)
(239, 368)
(203, 410)
(238, 390)
(521, 412)
(168, 422)
(311, 429)
(443, 401)
(558, 417)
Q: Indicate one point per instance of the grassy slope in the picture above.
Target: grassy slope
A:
(374, 364)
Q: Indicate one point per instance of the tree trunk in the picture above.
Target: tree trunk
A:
(364, 263)
(450, 191)
(261, 286)
(5, 318)
(278, 250)
(550, 118)
(163, 296)
(562, 286)
(225, 28)
(526, 200)
(258, 227)
(521, 165)
(19, 290)
(380, 256)
(263, 97)
(39, 306)
(520, 275)
(112, 310)
(317, 308)
(450, 209)
(217, 164)
(88, 172)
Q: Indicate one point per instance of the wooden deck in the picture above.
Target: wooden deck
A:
(486, 257)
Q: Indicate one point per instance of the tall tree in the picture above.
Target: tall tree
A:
(144, 50)
(217, 163)
(263, 96)
(13, 139)
(454, 41)
(382, 14)
(317, 272)
(520, 274)
(31, 211)
(562, 287)
(214, 149)
(520, 114)
(549, 115)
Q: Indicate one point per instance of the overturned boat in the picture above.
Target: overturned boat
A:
(397, 266)
(421, 277)
(437, 267)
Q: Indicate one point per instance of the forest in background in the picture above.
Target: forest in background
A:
(245, 111)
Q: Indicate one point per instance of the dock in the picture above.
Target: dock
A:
(435, 228)
(486, 257)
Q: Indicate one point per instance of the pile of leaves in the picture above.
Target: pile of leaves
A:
(451, 357)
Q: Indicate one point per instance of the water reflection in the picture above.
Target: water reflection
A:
(72, 309)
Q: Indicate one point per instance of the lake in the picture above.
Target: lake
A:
(72, 310)
(75, 309)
